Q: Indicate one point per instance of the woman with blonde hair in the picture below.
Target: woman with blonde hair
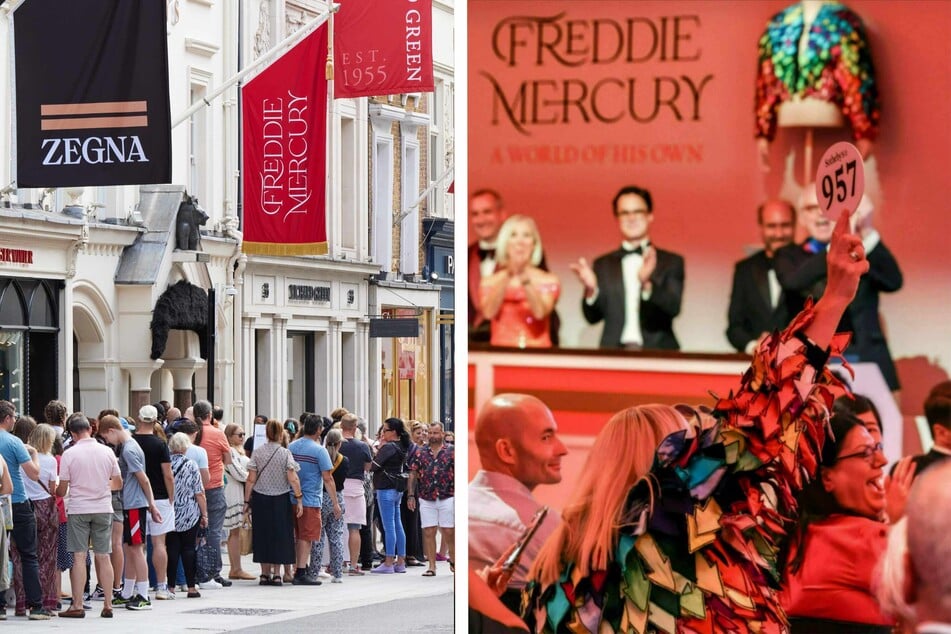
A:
(519, 297)
(237, 475)
(41, 437)
(678, 519)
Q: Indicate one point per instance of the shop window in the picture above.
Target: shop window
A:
(29, 343)
(406, 369)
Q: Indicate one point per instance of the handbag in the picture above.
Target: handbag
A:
(400, 479)
(244, 538)
(6, 509)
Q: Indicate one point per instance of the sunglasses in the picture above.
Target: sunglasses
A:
(868, 453)
(240, 434)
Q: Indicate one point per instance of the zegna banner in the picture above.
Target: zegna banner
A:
(92, 105)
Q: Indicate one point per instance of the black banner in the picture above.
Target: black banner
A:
(92, 93)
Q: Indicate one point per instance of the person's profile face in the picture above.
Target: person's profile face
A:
(538, 449)
(815, 222)
(777, 226)
(485, 216)
(633, 217)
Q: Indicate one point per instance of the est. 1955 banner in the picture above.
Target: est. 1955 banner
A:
(285, 114)
(383, 47)
(92, 93)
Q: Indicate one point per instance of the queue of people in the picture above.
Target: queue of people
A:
(769, 512)
(148, 487)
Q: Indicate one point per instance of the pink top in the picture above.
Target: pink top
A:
(515, 326)
(88, 466)
(835, 580)
(213, 441)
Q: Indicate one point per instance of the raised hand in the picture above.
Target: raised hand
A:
(586, 275)
(648, 266)
(845, 261)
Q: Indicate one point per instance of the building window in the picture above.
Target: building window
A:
(198, 164)
(349, 212)
(409, 188)
(383, 203)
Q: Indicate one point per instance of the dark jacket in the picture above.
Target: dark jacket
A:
(750, 313)
(656, 314)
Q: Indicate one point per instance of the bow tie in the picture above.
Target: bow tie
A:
(636, 250)
(486, 253)
(814, 246)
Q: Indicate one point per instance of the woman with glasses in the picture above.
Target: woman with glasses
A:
(841, 535)
(387, 468)
(236, 474)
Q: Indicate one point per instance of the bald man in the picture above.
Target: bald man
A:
(927, 585)
(757, 305)
(517, 440)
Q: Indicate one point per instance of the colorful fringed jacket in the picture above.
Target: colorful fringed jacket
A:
(835, 67)
(699, 538)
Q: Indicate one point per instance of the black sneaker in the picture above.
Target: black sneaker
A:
(224, 582)
(305, 580)
(39, 614)
(97, 594)
(118, 600)
(138, 602)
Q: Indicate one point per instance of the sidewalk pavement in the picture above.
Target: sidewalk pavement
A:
(246, 604)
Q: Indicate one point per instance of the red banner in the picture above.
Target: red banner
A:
(383, 47)
(285, 133)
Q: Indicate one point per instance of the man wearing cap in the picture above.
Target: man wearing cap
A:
(137, 504)
(213, 441)
(158, 468)
(88, 473)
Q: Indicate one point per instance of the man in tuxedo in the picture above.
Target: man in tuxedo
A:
(486, 215)
(637, 289)
(801, 269)
(938, 413)
(757, 306)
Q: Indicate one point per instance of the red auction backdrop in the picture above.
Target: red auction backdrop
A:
(551, 128)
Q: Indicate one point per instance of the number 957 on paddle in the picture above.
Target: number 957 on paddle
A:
(840, 179)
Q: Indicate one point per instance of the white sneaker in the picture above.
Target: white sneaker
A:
(336, 580)
(323, 574)
(211, 584)
(164, 595)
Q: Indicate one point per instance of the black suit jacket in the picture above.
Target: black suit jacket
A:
(924, 461)
(656, 314)
(803, 274)
(751, 313)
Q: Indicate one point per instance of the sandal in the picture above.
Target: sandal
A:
(276, 580)
(429, 573)
(264, 580)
